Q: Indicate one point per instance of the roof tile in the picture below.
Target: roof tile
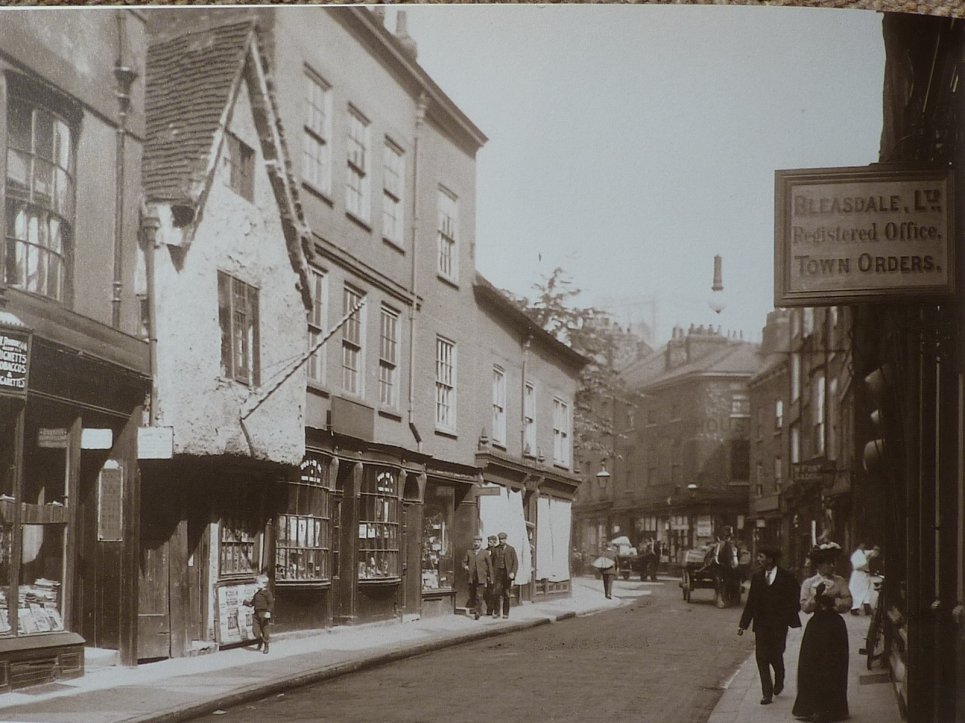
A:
(189, 79)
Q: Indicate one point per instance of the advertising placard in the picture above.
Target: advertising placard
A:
(14, 361)
(234, 617)
(844, 235)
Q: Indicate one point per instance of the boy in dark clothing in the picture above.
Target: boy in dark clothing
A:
(264, 604)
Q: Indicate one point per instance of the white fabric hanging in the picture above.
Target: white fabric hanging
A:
(518, 538)
(494, 515)
(545, 553)
(560, 516)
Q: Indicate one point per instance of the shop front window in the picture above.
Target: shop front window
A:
(39, 598)
(379, 515)
(437, 557)
(39, 593)
(303, 535)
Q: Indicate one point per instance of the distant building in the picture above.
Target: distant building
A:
(770, 463)
(680, 468)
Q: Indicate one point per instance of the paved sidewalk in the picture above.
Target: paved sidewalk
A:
(173, 690)
(871, 697)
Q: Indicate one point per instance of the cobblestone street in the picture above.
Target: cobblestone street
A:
(658, 659)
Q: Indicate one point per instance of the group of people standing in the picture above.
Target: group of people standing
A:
(773, 605)
(492, 574)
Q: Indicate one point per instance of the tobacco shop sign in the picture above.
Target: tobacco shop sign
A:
(843, 235)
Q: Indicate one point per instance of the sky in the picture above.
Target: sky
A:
(630, 144)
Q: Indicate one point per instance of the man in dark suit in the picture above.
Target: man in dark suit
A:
(479, 569)
(505, 567)
(772, 604)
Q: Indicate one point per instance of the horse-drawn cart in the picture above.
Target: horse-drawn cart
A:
(701, 572)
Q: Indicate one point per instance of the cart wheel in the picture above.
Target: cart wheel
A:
(625, 574)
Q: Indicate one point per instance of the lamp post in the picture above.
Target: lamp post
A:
(692, 491)
(602, 479)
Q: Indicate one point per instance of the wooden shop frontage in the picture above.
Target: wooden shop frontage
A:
(70, 404)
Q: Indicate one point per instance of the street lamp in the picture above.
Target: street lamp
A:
(603, 476)
(692, 488)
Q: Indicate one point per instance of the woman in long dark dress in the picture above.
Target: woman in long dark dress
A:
(822, 672)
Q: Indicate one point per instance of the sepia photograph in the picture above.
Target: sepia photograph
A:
(465, 362)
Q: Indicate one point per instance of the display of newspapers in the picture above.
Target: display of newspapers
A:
(38, 608)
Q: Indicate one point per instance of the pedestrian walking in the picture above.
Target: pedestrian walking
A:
(505, 566)
(264, 604)
(478, 565)
(860, 581)
(608, 572)
(822, 674)
(772, 607)
(657, 552)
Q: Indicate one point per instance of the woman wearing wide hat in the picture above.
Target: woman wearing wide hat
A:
(822, 672)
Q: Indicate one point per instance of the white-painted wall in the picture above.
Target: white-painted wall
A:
(245, 240)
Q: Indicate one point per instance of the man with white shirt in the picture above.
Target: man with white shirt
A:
(772, 606)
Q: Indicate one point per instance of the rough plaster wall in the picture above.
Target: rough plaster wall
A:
(245, 240)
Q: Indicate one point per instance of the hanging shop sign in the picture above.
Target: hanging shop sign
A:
(843, 235)
(14, 361)
(812, 472)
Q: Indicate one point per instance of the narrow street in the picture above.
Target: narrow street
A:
(658, 659)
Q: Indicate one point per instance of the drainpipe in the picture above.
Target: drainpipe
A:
(420, 115)
(125, 76)
(150, 223)
(522, 405)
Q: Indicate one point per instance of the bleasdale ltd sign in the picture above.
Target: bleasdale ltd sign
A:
(844, 235)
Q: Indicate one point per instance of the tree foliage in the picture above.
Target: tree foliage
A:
(592, 333)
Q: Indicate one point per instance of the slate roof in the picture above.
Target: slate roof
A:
(188, 84)
(733, 358)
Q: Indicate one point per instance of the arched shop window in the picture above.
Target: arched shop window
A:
(379, 517)
(303, 534)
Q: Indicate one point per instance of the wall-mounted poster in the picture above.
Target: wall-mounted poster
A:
(234, 617)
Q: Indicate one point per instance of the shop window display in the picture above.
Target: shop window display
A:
(237, 546)
(36, 591)
(437, 558)
(303, 536)
(379, 512)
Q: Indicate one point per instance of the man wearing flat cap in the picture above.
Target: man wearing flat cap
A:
(772, 606)
(505, 567)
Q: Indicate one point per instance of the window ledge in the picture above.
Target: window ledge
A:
(317, 192)
(559, 465)
(395, 245)
(313, 584)
(380, 580)
(446, 433)
(359, 221)
(440, 591)
(447, 280)
(316, 387)
(499, 445)
(390, 414)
